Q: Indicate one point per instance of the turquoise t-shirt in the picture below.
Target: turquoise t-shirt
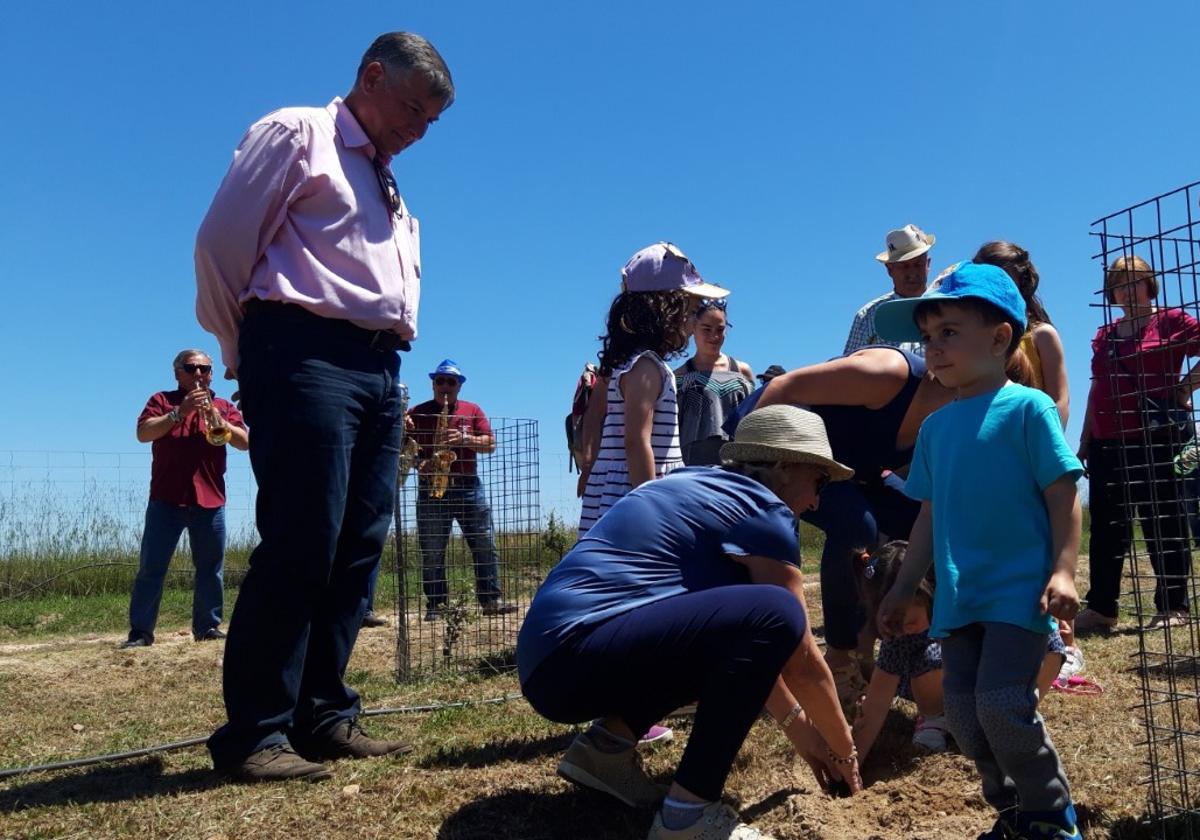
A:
(983, 462)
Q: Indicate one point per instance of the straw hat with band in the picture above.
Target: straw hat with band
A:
(905, 244)
(787, 434)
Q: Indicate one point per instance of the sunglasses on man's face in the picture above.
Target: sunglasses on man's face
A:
(445, 380)
(822, 480)
(191, 368)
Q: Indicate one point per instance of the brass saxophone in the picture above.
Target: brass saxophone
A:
(216, 430)
(442, 458)
(408, 456)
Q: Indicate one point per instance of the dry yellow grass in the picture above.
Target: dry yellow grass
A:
(480, 772)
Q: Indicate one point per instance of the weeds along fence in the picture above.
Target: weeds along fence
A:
(71, 522)
(62, 510)
(1148, 471)
(470, 556)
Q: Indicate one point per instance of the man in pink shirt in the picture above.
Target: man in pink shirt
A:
(308, 273)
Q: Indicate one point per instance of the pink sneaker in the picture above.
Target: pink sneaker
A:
(656, 735)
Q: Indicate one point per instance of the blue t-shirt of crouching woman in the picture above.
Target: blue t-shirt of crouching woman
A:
(983, 462)
(666, 538)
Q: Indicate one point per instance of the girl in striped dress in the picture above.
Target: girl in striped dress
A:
(649, 321)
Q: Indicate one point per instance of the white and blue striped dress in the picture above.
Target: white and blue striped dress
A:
(608, 481)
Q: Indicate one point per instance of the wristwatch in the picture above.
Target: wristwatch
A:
(175, 415)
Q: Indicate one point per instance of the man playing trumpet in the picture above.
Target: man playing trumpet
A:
(187, 429)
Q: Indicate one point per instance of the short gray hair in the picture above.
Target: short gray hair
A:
(407, 52)
(183, 355)
(772, 475)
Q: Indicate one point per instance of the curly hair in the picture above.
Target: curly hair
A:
(638, 321)
(877, 575)
(1015, 260)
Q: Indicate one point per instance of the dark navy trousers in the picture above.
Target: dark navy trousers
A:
(326, 418)
(720, 648)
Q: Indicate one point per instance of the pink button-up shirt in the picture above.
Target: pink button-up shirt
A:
(301, 218)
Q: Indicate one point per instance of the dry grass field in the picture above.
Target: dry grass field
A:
(482, 771)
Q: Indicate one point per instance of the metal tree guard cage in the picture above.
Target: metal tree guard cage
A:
(465, 617)
(1155, 465)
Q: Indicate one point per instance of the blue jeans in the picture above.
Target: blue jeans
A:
(206, 531)
(465, 502)
(326, 420)
(852, 514)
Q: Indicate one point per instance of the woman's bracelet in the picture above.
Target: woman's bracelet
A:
(850, 759)
(790, 717)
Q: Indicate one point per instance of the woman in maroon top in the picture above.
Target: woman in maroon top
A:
(1137, 357)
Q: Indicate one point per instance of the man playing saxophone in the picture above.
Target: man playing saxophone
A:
(187, 428)
(451, 433)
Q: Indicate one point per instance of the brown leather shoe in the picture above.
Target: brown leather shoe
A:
(348, 740)
(278, 763)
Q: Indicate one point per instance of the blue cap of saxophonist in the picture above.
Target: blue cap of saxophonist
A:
(448, 367)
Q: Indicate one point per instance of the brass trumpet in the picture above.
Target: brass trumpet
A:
(216, 430)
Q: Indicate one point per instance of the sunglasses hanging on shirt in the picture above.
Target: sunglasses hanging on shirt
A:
(387, 183)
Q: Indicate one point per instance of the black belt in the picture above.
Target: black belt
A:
(380, 340)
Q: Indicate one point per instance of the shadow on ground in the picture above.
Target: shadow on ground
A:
(484, 755)
(539, 816)
(104, 783)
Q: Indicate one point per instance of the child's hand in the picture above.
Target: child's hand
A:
(1060, 598)
(892, 612)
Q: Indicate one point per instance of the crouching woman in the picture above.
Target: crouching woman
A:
(688, 590)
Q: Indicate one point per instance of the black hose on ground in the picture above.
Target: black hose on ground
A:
(195, 742)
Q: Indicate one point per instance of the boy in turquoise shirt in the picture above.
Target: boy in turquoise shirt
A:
(1000, 518)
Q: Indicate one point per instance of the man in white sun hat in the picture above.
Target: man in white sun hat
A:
(906, 259)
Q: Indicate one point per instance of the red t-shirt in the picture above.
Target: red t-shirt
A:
(1123, 368)
(464, 416)
(185, 469)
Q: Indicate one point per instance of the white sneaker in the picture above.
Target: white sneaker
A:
(1072, 663)
(930, 734)
(717, 822)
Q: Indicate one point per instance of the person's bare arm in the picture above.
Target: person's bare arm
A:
(917, 559)
(593, 422)
(871, 378)
(640, 387)
(807, 680)
(875, 706)
(1054, 368)
(1062, 503)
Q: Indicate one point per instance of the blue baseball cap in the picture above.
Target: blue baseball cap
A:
(894, 319)
(448, 367)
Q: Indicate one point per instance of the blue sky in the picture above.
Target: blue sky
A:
(776, 143)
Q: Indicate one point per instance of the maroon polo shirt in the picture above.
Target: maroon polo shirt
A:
(1148, 363)
(464, 416)
(185, 469)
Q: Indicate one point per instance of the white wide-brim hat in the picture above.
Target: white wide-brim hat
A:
(906, 243)
(784, 433)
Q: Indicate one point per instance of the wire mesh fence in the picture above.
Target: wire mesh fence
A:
(470, 551)
(1143, 479)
